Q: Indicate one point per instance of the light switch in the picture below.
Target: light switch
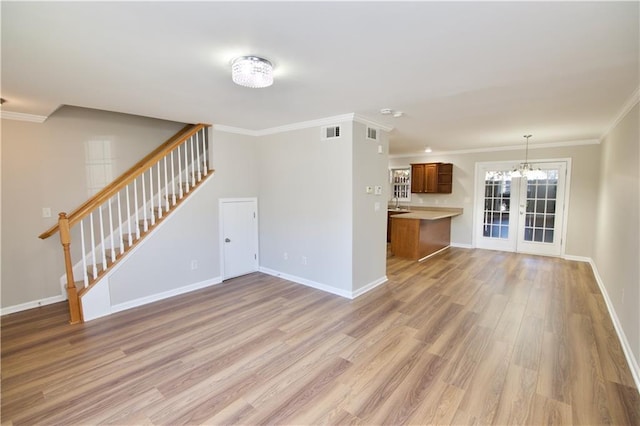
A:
(376, 206)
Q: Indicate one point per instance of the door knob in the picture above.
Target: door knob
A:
(226, 240)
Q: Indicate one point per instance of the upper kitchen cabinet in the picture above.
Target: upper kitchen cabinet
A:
(432, 178)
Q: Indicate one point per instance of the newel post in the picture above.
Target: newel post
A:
(72, 292)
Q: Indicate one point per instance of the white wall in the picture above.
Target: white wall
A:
(43, 165)
(617, 228)
(305, 206)
(369, 224)
(582, 202)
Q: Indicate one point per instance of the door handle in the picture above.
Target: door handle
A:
(226, 240)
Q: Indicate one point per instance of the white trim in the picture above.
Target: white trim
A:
(324, 287)
(576, 258)
(165, 295)
(327, 121)
(631, 102)
(30, 305)
(20, 116)
(626, 347)
(434, 253)
(236, 130)
(502, 148)
(461, 245)
(308, 283)
(363, 120)
(373, 284)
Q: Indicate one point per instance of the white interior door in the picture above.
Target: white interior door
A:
(519, 214)
(239, 236)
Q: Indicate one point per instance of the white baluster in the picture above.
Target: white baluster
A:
(85, 273)
(135, 206)
(166, 186)
(120, 225)
(102, 243)
(198, 156)
(193, 166)
(186, 166)
(180, 193)
(144, 207)
(173, 182)
(93, 247)
(153, 216)
(129, 214)
(159, 193)
(113, 251)
(204, 151)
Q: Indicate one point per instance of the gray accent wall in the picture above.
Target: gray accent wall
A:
(617, 228)
(305, 206)
(369, 224)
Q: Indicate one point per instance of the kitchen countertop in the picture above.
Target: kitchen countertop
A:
(427, 214)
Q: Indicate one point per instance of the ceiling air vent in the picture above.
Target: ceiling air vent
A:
(372, 133)
(331, 132)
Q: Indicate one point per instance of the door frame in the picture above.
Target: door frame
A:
(478, 202)
(221, 202)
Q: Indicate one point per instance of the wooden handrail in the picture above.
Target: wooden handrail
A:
(127, 177)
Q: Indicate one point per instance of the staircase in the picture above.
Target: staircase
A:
(104, 229)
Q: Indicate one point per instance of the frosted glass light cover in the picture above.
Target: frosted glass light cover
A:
(251, 71)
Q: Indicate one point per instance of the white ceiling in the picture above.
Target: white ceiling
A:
(466, 75)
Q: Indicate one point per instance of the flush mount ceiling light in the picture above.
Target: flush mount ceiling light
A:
(392, 112)
(428, 149)
(252, 71)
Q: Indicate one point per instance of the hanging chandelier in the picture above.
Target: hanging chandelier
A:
(252, 71)
(526, 169)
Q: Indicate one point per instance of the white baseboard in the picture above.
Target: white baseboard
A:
(164, 295)
(324, 287)
(578, 259)
(306, 282)
(459, 245)
(626, 347)
(31, 305)
(373, 284)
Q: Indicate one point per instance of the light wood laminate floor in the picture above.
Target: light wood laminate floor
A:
(466, 337)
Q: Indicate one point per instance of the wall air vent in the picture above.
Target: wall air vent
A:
(331, 132)
(372, 134)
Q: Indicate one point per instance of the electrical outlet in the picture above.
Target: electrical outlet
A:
(378, 190)
(194, 265)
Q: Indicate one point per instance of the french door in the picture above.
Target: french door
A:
(521, 214)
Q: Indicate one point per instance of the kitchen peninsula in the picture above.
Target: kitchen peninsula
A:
(421, 232)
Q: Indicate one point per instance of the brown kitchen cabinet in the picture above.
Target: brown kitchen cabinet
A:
(432, 178)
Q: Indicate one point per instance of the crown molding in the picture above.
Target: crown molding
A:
(20, 116)
(307, 124)
(327, 121)
(364, 120)
(236, 130)
(631, 102)
(501, 148)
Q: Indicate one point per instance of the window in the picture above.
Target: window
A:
(401, 184)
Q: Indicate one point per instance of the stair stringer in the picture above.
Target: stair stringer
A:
(96, 301)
